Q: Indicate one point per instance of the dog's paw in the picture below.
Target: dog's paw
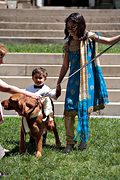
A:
(38, 154)
(58, 144)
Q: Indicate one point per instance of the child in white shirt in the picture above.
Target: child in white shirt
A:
(39, 76)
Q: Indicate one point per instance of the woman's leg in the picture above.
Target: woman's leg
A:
(69, 119)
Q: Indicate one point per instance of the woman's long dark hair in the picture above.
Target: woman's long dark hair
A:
(79, 20)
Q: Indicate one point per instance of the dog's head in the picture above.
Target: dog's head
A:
(24, 105)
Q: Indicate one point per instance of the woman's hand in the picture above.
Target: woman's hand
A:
(58, 90)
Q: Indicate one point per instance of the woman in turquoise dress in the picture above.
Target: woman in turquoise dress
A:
(86, 89)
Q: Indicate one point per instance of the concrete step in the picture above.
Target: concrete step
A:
(54, 26)
(25, 70)
(26, 33)
(57, 15)
(111, 70)
(52, 58)
(58, 19)
(27, 40)
(113, 94)
(33, 25)
(112, 109)
(46, 33)
(36, 58)
(23, 81)
(23, 38)
(56, 12)
(3, 5)
(31, 33)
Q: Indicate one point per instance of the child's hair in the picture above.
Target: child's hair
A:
(40, 71)
(3, 50)
(79, 20)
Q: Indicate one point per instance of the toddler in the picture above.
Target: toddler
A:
(39, 76)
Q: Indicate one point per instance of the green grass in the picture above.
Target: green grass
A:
(35, 48)
(101, 161)
(50, 48)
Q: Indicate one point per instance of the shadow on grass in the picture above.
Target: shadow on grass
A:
(30, 148)
(54, 147)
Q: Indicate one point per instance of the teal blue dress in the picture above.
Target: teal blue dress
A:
(97, 95)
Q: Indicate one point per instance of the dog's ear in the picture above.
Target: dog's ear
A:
(17, 97)
(31, 104)
(22, 107)
(27, 105)
(5, 104)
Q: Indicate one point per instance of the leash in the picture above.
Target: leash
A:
(86, 64)
(98, 55)
(38, 103)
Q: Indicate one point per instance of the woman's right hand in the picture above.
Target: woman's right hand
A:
(58, 90)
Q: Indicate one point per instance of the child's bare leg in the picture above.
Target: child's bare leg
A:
(50, 120)
(48, 110)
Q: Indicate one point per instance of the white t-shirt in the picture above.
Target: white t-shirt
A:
(43, 91)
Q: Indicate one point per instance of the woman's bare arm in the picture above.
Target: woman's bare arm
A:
(104, 40)
(64, 68)
(4, 87)
(62, 74)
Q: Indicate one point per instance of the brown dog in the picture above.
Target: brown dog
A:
(32, 110)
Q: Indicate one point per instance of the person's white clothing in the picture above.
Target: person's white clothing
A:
(45, 91)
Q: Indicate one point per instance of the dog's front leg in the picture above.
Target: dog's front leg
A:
(39, 146)
(22, 140)
(37, 133)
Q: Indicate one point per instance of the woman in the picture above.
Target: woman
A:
(86, 90)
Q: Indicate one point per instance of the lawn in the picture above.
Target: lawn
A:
(101, 161)
(51, 48)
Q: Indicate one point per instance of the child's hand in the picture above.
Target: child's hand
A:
(37, 95)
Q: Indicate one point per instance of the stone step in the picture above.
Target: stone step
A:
(3, 5)
(52, 58)
(31, 33)
(46, 33)
(45, 39)
(22, 81)
(50, 19)
(54, 26)
(113, 94)
(27, 40)
(36, 58)
(58, 15)
(25, 70)
(56, 12)
(35, 25)
(112, 109)
(53, 15)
